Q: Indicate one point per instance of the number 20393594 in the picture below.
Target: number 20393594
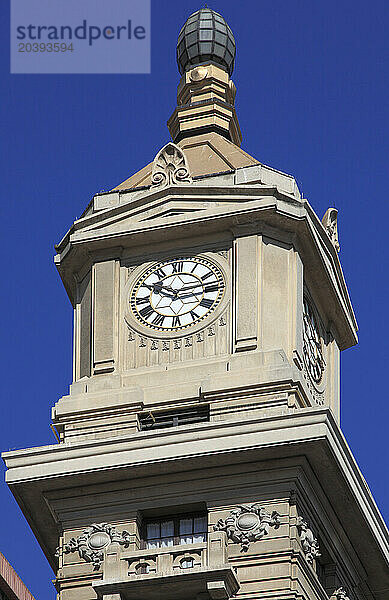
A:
(45, 47)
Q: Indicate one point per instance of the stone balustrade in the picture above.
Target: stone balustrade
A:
(145, 573)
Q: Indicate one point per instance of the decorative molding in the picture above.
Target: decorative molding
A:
(330, 224)
(309, 542)
(340, 594)
(91, 543)
(131, 335)
(247, 524)
(170, 167)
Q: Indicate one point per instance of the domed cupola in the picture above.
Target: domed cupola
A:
(206, 38)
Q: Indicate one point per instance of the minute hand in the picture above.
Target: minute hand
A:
(210, 288)
(204, 285)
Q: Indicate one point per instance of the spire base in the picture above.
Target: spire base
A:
(205, 102)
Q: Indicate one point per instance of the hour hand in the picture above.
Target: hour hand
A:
(158, 288)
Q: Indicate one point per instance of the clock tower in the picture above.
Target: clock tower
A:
(199, 450)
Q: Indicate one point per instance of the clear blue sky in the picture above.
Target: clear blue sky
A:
(312, 81)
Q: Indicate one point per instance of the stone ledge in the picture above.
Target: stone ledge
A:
(217, 583)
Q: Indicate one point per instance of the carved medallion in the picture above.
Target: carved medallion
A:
(91, 543)
(247, 524)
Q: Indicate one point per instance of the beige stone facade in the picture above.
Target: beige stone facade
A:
(231, 420)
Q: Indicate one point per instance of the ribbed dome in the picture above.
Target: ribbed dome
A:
(206, 37)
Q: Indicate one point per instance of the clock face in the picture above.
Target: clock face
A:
(178, 293)
(312, 347)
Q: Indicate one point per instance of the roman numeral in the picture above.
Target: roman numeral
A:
(206, 303)
(209, 274)
(159, 319)
(194, 315)
(142, 300)
(195, 267)
(178, 267)
(146, 311)
(160, 273)
(212, 288)
(176, 321)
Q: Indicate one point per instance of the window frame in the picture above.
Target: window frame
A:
(175, 518)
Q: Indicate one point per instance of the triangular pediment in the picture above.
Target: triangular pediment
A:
(170, 204)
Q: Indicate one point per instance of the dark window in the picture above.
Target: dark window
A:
(172, 531)
(170, 418)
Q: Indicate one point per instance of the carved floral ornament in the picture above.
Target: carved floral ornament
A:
(309, 542)
(247, 524)
(93, 541)
(170, 167)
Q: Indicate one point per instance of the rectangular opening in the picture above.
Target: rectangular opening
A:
(173, 418)
(174, 530)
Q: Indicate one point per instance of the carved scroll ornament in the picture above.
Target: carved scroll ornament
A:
(170, 167)
(247, 524)
(92, 542)
(308, 541)
(330, 223)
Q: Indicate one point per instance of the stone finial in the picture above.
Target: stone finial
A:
(170, 167)
(308, 540)
(330, 223)
(247, 524)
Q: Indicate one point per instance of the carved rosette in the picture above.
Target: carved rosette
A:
(93, 541)
(309, 542)
(247, 524)
(170, 167)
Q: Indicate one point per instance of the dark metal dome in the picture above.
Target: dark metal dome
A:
(205, 37)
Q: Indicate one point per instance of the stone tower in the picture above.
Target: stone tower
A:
(199, 450)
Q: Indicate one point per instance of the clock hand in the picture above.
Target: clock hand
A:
(209, 288)
(159, 289)
(185, 288)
